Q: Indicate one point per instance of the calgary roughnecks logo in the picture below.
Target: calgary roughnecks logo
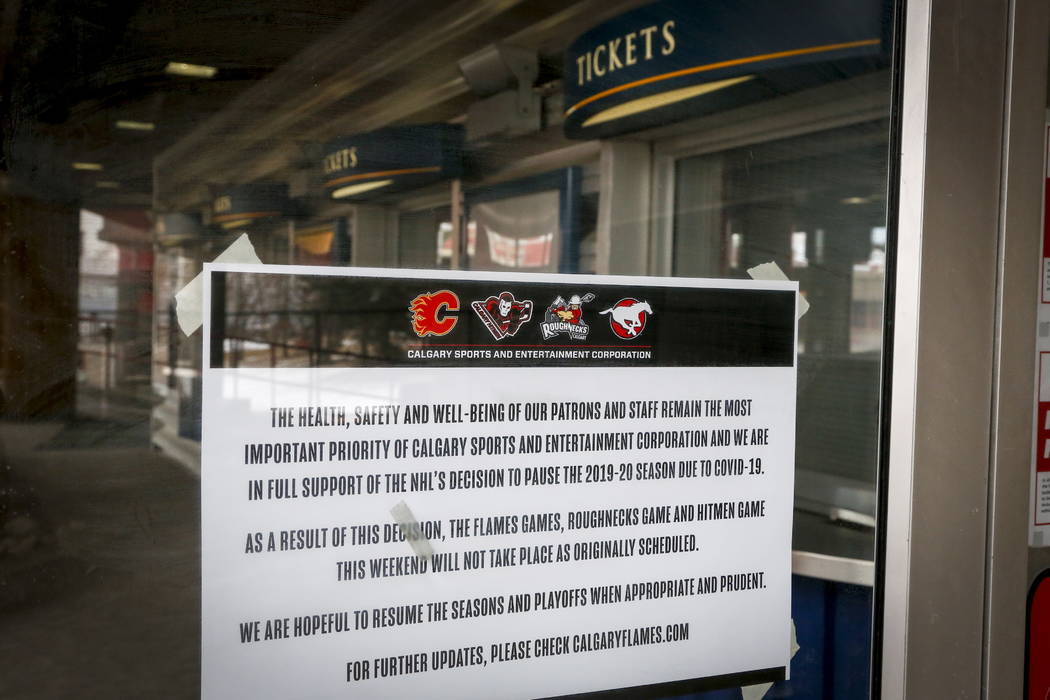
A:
(430, 313)
(566, 317)
(627, 317)
(503, 315)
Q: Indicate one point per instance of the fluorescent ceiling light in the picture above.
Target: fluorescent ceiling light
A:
(237, 223)
(190, 70)
(135, 126)
(108, 184)
(87, 166)
(644, 104)
(856, 200)
(359, 188)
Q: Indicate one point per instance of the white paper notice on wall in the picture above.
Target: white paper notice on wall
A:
(1039, 503)
(601, 469)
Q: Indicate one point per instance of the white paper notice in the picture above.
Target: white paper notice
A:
(601, 466)
(1039, 509)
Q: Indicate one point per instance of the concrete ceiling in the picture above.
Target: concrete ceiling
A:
(72, 68)
(291, 74)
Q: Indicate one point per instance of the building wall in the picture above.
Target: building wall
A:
(39, 261)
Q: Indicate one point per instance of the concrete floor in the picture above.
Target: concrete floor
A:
(115, 604)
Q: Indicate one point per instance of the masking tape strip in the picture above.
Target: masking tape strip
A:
(757, 692)
(411, 530)
(189, 300)
(771, 271)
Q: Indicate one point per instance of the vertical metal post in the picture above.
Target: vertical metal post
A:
(623, 245)
(569, 220)
(107, 339)
(315, 350)
(459, 244)
(291, 242)
(218, 319)
(1006, 578)
(173, 343)
(961, 385)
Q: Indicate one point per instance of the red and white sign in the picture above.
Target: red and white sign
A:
(1039, 523)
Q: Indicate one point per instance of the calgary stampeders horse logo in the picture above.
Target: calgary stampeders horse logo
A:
(430, 313)
(627, 317)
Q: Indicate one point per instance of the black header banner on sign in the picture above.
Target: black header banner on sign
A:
(359, 321)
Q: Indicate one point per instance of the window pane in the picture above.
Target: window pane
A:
(610, 137)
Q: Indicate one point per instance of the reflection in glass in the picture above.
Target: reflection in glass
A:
(815, 205)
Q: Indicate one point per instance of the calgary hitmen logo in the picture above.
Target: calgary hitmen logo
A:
(430, 313)
(503, 315)
(566, 317)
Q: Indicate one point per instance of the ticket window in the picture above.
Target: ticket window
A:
(320, 243)
(813, 201)
(815, 205)
(543, 223)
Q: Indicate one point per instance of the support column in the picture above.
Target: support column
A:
(372, 244)
(623, 211)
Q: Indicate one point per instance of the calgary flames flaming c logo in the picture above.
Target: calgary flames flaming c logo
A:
(429, 313)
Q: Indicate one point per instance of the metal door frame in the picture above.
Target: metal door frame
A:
(960, 377)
